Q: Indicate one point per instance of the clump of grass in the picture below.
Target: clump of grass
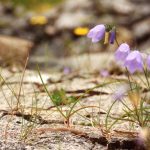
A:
(18, 107)
(137, 113)
(59, 98)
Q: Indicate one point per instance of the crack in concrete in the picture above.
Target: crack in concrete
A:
(32, 118)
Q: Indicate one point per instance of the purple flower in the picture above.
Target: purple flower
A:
(112, 37)
(120, 92)
(122, 52)
(96, 33)
(134, 62)
(148, 62)
(104, 73)
(66, 70)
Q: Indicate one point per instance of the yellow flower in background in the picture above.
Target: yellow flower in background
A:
(38, 20)
(81, 31)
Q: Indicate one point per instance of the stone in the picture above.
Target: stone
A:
(141, 29)
(70, 5)
(123, 7)
(71, 20)
(14, 50)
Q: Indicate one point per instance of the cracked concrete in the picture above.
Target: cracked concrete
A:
(20, 126)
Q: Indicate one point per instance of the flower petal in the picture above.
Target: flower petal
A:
(96, 33)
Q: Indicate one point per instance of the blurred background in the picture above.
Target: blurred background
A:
(54, 30)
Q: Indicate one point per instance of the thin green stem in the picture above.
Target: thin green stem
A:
(97, 86)
(81, 109)
(145, 73)
(49, 93)
(106, 120)
(130, 83)
(117, 42)
(141, 79)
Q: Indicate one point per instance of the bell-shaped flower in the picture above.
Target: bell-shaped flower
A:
(148, 62)
(97, 33)
(122, 52)
(134, 62)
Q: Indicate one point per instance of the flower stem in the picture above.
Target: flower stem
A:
(145, 73)
(129, 79)
(117, 41)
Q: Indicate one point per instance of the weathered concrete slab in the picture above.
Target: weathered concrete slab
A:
(41, 123)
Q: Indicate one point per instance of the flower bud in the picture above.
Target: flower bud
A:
(106, 39)
(112, 37)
